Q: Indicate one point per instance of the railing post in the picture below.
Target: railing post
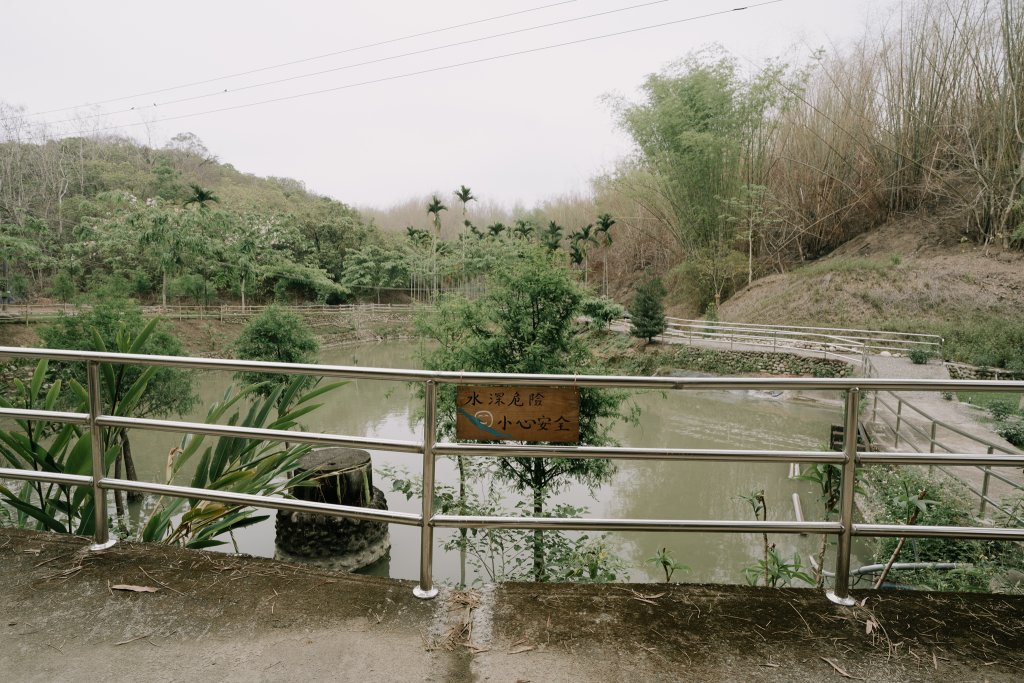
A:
(426, 588)
(840, 594)
(931, 446)
(984, 486)
(899, 413)
(99, 495)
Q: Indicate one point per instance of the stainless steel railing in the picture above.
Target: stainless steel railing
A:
(845, 528)
(815, 338)
(904, 430)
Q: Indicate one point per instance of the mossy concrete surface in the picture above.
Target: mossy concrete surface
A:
(222, 617)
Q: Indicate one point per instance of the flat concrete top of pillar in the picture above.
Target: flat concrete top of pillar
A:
(335, 459)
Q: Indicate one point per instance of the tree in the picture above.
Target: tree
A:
(279, 336)
(552, 236)
(647, 313)
(171, 241)
(434, 208)
(118, 325)
(603, 237)
(376, 267)
(526, 324)
(465, 195)
(201, 197)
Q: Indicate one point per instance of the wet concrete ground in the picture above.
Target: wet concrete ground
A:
(217, 617)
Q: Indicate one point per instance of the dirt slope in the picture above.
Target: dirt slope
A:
(914, 271)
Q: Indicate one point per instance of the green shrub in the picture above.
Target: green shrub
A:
(1000, 409)
(919, 356)
(602, 311)
(1012, 432)
(948, 504)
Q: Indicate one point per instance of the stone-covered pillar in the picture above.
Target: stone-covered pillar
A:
(341, 476)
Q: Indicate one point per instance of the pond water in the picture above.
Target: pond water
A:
(656, 490)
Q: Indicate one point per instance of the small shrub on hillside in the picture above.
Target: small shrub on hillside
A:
(602, 311)
(1000, 409)
(919, 356)
(1012, 432)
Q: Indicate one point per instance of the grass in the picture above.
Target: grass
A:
(848, 264)
(984, 399)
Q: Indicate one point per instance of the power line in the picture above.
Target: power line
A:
(308, 59)
(368, 62)
(422, 72)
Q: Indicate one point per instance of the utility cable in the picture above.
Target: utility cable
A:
(437, 69)
(379, 60)
(303, 60)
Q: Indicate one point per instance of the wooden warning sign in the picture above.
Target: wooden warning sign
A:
(518, 414)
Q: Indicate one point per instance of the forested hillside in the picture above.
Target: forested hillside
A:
(90, 214)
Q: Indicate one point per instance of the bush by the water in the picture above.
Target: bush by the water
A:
(892, 490)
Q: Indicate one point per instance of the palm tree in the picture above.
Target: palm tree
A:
(495, 229)
(552, 237)
(435, 207)
(604, 225)
(578, 242)
(523, 229)
(465, 196)
(201, 197)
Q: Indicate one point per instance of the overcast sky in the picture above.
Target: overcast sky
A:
(520, 128)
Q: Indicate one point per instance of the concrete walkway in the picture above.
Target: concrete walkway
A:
(67, 616)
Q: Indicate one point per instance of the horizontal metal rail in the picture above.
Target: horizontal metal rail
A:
(897, 458)
(261, 434)
(912, 531)
(46, 477)
(678, 454)
(850, 333)
(849, 459)
(273, 502)
(44, 416)
(580, 524)
(511, 379)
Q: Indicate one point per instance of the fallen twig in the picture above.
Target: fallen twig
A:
(839, 670)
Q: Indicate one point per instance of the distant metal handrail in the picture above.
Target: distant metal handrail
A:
(931, 438)
(853, 334)
(427, 520)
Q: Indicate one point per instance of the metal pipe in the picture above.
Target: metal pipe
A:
(911, 531)
(45, 477)
(425, 590)
(891, 458)
(99, 469)
(984, 486)
(592, 452)
(686, 525)
(273, 502)
(840, 594)
(45, 416)
(484, 378)
(899, 416)
(261, 434)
